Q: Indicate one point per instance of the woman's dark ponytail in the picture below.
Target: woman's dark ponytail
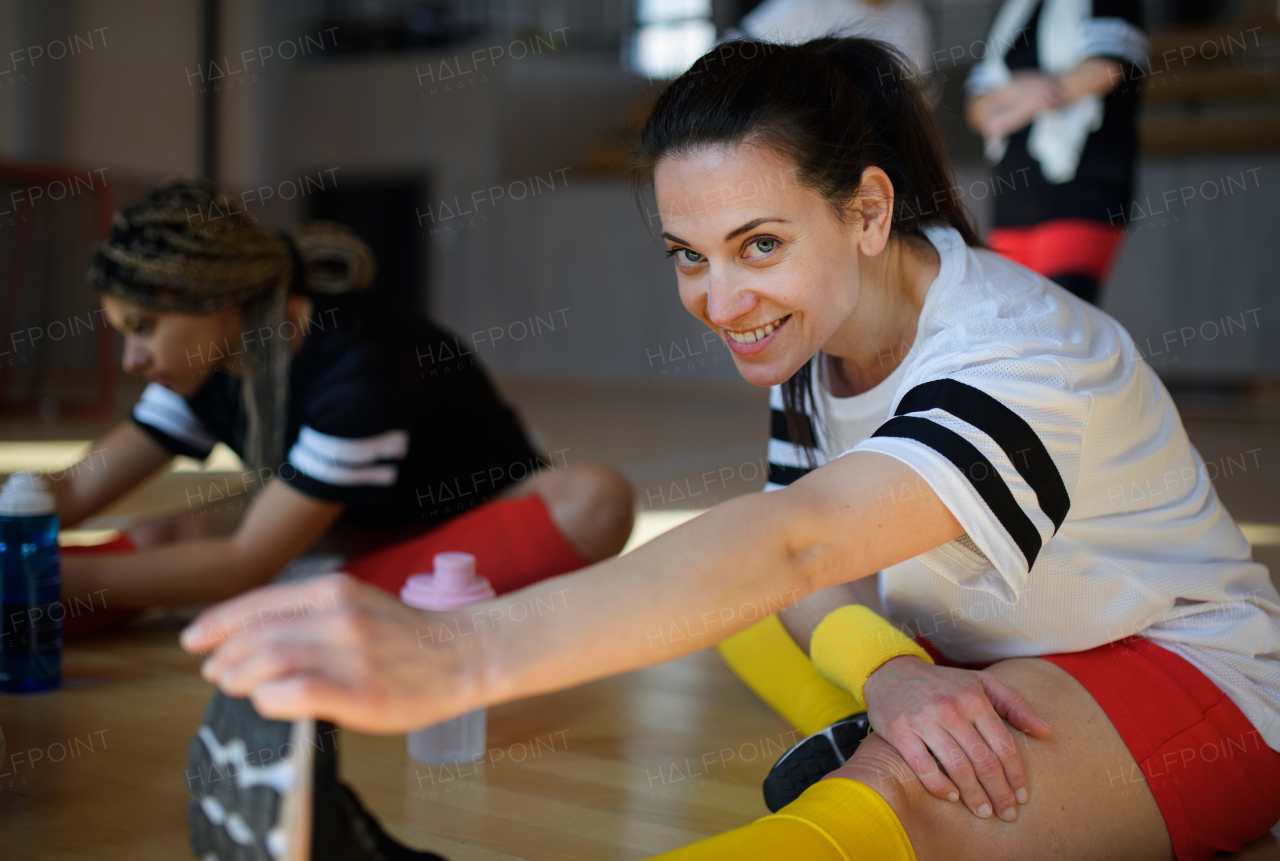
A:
(834, 107)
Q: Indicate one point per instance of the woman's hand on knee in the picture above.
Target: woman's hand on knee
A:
(336, 649)
(935, 715)
(153, 531)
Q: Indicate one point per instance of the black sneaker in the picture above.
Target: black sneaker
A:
(812, 759)
(267, 790)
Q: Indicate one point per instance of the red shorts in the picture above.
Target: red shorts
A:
(515, 542)
(1216, 781)
(1063, 246)
(1209, 769)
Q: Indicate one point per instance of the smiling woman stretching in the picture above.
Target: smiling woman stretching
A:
(967, 431)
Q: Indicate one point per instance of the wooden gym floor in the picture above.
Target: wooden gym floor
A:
(619, 769)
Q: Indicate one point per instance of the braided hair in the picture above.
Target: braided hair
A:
(164, 254)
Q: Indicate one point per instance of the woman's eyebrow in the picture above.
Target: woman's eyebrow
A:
(750, 225)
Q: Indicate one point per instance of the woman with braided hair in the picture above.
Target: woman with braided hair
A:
(270, 343)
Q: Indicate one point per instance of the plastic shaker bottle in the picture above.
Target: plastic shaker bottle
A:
(30, 586)
(453, 584)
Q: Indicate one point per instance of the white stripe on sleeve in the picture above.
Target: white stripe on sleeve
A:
(355, 452)
(320, 468)
(346, 461)
(168, 412)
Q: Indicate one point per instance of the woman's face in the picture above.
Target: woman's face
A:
(178, 351)
(764, 262)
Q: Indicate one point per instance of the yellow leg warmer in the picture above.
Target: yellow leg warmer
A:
(834, 820)
(769, 661)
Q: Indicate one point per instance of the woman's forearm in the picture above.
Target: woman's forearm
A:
(977, 111)
(1002, 111)
(681, 592)
(706, 580)
(187, 572)
(116, 463)
(1096, 76)
(279, 526)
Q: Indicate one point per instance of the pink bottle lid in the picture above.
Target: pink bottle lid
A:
(453, 584)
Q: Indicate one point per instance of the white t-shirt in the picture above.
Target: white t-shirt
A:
(1089, 515)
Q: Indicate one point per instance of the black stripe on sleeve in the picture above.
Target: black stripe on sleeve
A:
(1021, 445)
(978, 470)
(784, 475)
(778, 430)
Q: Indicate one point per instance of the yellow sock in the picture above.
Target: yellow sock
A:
(769, 661)
(834, 820)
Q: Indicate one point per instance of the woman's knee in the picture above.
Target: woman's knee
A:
(153, 532)
(928, 822)
(592, 504)
(878, 764)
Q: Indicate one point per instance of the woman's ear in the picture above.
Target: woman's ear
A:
(872, 210)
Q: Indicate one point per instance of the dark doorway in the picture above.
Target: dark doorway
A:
(383, 212)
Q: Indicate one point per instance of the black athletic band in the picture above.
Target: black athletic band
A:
(978, 470)
(1009, 431)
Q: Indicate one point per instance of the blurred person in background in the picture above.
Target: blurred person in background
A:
(901, 23)
(1053, 103)
(268, 342)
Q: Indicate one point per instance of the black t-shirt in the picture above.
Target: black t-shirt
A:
(1103, 184)
(388, 414)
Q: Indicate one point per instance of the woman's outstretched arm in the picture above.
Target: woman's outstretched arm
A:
(117, 462)
(370, 663)
(280, 524)
(349, 653)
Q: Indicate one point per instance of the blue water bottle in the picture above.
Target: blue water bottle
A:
(30, 587)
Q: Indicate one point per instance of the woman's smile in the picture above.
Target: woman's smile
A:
(749, 342)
